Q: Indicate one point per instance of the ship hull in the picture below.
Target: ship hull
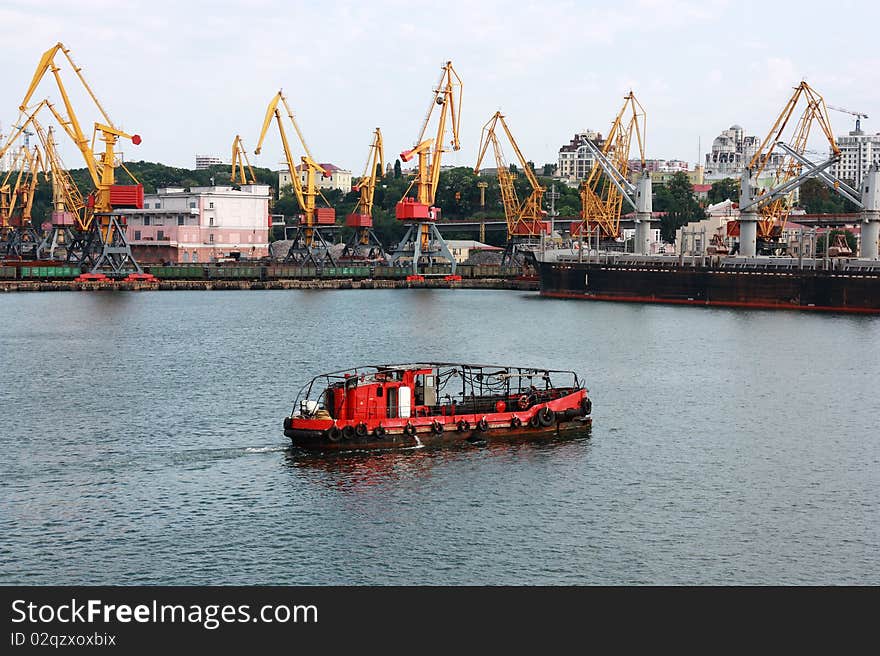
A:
(317, 441)
(755, 287)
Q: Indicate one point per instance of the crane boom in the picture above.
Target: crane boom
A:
(447, 96)
(239, 161)
(775, 213)
(101, 168)
(601, 203)
(523, 219)
(366, 184)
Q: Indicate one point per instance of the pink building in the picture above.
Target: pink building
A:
(204, 224)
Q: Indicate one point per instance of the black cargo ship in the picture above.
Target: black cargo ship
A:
(832, 285)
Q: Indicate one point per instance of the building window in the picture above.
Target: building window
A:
(180, 220)
(211, 238)
(160, 235)
(146, 220)
(211, 221)
(192, 204)
(195, 256)
(211, 205)
(137, 235)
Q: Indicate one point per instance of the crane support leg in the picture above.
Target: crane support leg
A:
(310, 245)
(411, 246)
(870, 214)
(107, 250)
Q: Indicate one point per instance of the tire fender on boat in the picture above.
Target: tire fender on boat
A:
(379, 431)
(463, 425)
(587, 405)
(348, 432)
(545, 416)
(409, 429)
(334, 434)
(361, 430)
(483, 425)
(516, 422)
(436, 427)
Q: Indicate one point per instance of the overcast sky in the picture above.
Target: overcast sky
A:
(188, 76)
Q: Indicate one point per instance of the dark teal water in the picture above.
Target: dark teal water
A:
(142, 443)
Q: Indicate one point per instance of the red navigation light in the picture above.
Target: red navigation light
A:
(136, 139)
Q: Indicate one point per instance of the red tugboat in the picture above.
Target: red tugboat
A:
(385, 406)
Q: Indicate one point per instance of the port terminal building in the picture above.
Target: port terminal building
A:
(200, 224)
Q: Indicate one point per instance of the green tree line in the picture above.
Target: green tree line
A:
(457, 194)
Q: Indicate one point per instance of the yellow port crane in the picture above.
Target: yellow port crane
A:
(239, 162)
(309, 243)
(422, 238)
(68, 205)
(601, 202)
(363, 244)
(18, 238)
(773, 214)
(525, 220)
(103, 244)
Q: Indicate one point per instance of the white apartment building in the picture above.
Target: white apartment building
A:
(575, 158)
(206, 161)
(338, 178)
(857, 152)
(731, 151)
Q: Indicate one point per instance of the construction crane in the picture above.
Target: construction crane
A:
(8, 190)
(859, 115)
(239, 161)
(601, 202)
(68, 205)
(363, 244)
(422, 238)
(103, 244)
(525, 220)
(774, 205)
(17, 235)
(309, 243)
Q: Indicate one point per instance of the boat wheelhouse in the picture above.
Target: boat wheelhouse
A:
(435, 403)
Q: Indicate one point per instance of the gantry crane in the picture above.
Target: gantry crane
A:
(240, 160)
(68, 204)
(363, 244)
(422, 238)
(309, 243)
(601, 202)
(763, 212)
(18, 238)
(102, 242)
(525, 220)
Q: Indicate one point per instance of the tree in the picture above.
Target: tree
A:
(816, 198)
(549, 169)
(397, 170)
(676, 198)
(726, 189)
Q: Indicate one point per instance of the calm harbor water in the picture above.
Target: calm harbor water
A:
(142, 443)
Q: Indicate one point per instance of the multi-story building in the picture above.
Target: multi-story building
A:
(731, 151)
(204, 224)
(338, 178)
(207, 161)
(857, 152)
(575, 158)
